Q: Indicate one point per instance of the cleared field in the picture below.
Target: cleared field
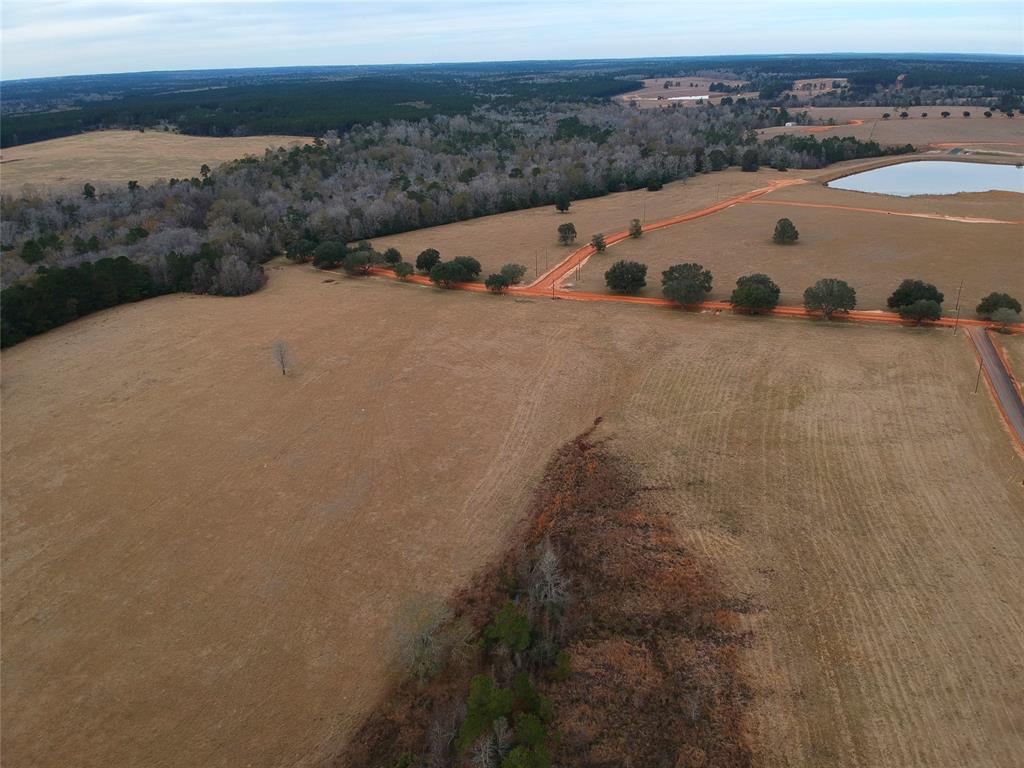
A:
(995, 134)
(203, 559)
(871, 251)
(654, 94)
(530, 237)
(871, 507)
(115, 157)
(1014, 346)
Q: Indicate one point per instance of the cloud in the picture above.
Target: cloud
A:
(50, 37)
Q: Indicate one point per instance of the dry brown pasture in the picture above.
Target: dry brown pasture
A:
(871, 251)
(106, 158)
(815, 86)
(998, 133)
(203, 560)
(530, 237)
(654, 88)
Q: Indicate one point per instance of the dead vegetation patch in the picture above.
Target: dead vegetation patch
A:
(637, 666)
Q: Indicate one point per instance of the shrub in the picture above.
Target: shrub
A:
(995, 301)
(686, 283)
(922, 309)
(445, 274)
(755, 293)
(830, 295)
(470, 265)
(403, 269)
(636, 229)
(562, 203)
(785, 232)
(1005, 316)
(598, 242)
(910, 291)
(392, 256)
(427, 260)
(487, 702)
(328, 254)
(749, 161)
(497, 283)
(626, 276)
(566, 233)
(514, 272)
(510, 628)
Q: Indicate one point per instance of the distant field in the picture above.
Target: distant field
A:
(114, 157)
(654, 93)
(998, 132)
(873, 252)
(223, 585)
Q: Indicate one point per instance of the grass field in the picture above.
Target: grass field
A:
(203, 559)
(998, 133)
(115, 157)
(872, 252)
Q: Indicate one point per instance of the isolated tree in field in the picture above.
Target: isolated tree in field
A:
(922, 309)
(904, 115)
(1004, 317)
(427, 260)
(89, 192)
(392, 256)
(910, 291)
(686, 283)
(886, 115)
(995, 301)
(636, 229)
(403, 269)
(282, 354)
(445, 274)
(626, 276)
(830, 295)
(988, 114)
(945, 114)
(566, 233)
(785, 232)
(328, 254)
(470, 265)
(513, 272)
(755, 293)
(497, 283)
(924, 114)
(749, 162)
(966, 113)
(357, 262)
(562, 203)
(598, 242)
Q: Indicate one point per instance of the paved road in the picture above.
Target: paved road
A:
(1006, 391)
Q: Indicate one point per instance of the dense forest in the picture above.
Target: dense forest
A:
(311, 100)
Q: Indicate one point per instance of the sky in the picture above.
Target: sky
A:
(42, 38)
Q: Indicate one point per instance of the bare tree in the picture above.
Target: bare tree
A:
(422, 644)
(282, 354)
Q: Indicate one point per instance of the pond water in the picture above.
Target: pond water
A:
(934, 177)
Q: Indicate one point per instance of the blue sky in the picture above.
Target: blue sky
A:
(60, 37)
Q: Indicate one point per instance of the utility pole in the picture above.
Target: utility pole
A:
(977, 381)
(536, 264)
(956, 322)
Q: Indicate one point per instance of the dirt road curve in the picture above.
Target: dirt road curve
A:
(1004, 389)
(557, 275)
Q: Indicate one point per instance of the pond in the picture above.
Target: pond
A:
(934, 177)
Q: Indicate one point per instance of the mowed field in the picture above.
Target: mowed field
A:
(203, 560)
(116, 157)
(530, 237)
(654, 89)
(872, 251)
(995, 134)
